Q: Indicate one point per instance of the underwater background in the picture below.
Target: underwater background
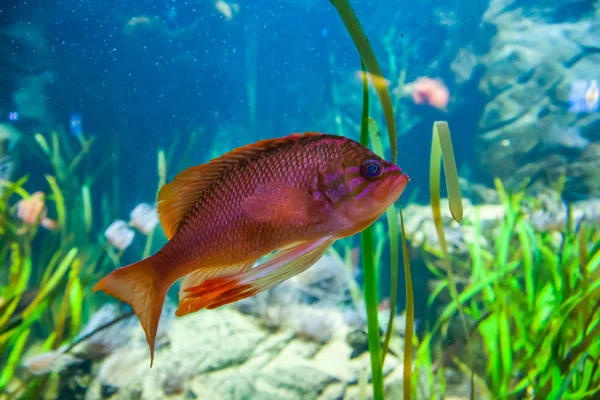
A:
(103, 102)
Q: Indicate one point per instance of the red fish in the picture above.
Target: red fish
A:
(294, 196)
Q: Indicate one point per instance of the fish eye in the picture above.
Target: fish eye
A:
(371, 169)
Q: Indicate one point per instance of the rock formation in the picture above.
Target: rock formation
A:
(527, 131)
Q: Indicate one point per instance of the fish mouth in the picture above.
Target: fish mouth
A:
(398, 179)
(396, 183)
(403, 179)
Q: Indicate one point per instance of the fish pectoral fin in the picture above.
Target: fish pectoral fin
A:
(204, 274)
(283, 265)
(279, 202)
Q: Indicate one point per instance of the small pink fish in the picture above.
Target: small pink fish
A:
(295, 195)
(430, 91)
(34, 209)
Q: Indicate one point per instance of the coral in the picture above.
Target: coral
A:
(119, 234)
(144, 218)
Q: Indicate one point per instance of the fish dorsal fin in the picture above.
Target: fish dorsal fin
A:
(176, 198)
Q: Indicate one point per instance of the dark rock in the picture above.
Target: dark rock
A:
(75, 380)
(108, 390)
(190, 395)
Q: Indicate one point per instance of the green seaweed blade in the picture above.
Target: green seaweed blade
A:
(361, 42)
(370, 273)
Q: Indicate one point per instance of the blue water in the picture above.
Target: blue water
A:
(139, 87)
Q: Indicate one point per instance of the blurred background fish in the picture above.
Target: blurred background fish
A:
(584, 96)
(75, 126)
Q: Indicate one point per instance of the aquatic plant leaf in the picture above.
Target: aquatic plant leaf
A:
(369, 60)
(436, 292)
(424, 365)
(364, 120)
(52, 282)
(56, 159)
(86, 145)
(442, 132)
(572, 303)
(370, 278)
(61, 320)
(41, 140)
(21, 268)
(367, 55)
(441, 150)
(535, 322)
(18, 256)
(370, 292)
(473, 290)
(375, 137)
(75, 293)
(489, 331)
(49, 342)
(59, 200)
(162, 169)
(87, 207)
(50, 266)
(478, 256)
(16, 187)
(392, 220)
(505, 347)
(594, 263)
(410, 316)
(527, 265)
(503, 242)
(566, 381)
(380, 240)
(8, 369)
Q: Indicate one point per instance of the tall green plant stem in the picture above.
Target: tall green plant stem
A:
(367, 55)
(370, 283)
(369, 270)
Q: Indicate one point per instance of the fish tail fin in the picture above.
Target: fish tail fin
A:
(140, 286)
